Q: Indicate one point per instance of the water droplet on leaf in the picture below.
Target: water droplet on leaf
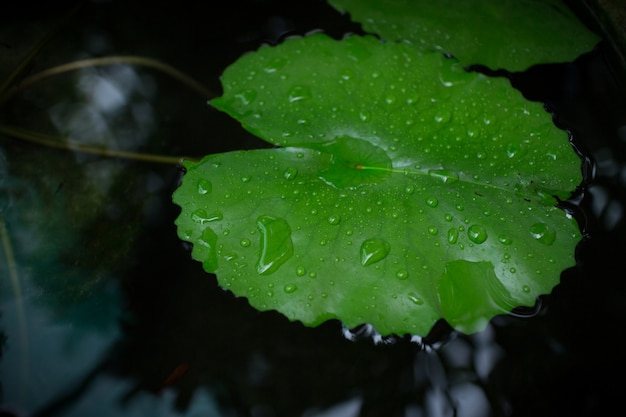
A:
(415, 299)
(204, 186)
(246, 97)
(476, 233)
(453, 236)
(334, 220)
(289, 288)
(446, 176)
(374, 250)
(205, 250)
(432, 202)
(201, 216)
(290, 173)
(505, 240)
(543, 233)
(276, 244)
(443, 117)
(298, 93)
(402, 274)
(516, 150)
(275, 64)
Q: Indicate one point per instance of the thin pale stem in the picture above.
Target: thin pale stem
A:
(49, 141)
(107, 61)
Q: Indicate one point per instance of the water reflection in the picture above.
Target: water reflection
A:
(120, 321)
(118, 98)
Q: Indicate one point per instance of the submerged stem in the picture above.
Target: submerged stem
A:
(14, 278)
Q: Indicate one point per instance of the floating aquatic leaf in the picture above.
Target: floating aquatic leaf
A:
(405, 189)
(509, 34)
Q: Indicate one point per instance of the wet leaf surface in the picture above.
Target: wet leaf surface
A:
(510, 34)
(406, 189)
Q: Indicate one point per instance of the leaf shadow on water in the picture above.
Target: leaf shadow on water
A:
(176, 333)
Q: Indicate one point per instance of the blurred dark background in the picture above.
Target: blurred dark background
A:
(110, 316)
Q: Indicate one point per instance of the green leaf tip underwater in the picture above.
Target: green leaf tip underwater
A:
(500, 34)
(404, 189)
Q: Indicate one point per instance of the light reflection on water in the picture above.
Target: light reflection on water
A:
(113, 109)
(114, 305)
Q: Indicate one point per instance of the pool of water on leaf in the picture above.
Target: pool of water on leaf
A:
(110, 315)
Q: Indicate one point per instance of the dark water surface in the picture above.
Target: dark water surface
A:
(104, 313)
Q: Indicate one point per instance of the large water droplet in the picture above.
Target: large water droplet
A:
(432, 202)
(516, 150)
(205, 250)
(347, 74)
(505, 240)
(334, 219)
(446, 176)
(543, 233)
(204, 186)
(443, 117)
(365, 116)
(374, 250)
(275, 64)
(450, 75)
(415, 299)
(402, 274)
(246, 97)
(276, 244)
(289, 288)
(290, 173)
(453, 235)
(201, 216)
(299, 92)
(476, 233)
(470, 293)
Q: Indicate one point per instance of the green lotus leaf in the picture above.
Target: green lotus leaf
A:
(507, 34)
(404, 190)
